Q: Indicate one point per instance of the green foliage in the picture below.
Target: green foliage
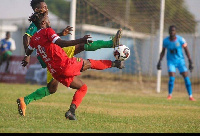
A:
(60, 8)
(105, 109)
(177, 14)
(112, 13)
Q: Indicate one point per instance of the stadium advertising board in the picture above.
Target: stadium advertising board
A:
(16, 73)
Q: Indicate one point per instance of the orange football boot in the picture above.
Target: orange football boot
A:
(169, 97)
(21, 106)
(191, 99)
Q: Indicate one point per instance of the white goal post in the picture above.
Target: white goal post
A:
(162, 13)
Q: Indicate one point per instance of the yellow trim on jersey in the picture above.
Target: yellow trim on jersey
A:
(70, 53)
(28, 34)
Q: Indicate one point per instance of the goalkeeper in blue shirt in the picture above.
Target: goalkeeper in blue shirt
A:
(175, 59)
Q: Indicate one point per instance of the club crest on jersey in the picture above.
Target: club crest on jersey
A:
(177, 44)
(78, 59)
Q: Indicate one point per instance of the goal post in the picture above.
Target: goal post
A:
(145, 23)
(162, 13)
(73, 18)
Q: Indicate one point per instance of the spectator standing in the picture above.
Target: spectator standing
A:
(7, 47)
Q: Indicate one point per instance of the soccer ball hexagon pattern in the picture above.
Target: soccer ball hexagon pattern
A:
(121, 52)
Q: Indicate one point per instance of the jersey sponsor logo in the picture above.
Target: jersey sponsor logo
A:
(37, 38)
(173, 51)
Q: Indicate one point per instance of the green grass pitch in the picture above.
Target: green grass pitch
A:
(108, 107)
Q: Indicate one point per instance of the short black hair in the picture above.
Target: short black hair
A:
(36, 18)
(7, 32)
(34, 3)
(171, 26)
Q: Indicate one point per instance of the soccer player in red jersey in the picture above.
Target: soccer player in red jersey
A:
(52, 83)
(64, 69)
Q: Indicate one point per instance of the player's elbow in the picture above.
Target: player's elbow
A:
(60, 43)
(26, 40)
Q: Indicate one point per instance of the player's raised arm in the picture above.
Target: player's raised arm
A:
(65, 31)
(64, 43)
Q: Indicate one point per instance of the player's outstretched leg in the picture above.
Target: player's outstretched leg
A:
(105, 64)
(104, 44)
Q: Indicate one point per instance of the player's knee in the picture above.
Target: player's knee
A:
(84, 88)
(52, 91)
(86, 65)
(52, 86)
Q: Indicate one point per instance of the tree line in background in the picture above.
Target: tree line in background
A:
(113, 13)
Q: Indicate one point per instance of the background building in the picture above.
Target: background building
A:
(102, 19)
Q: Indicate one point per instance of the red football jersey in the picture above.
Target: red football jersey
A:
(53, 55)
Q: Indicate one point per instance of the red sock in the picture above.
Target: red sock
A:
(79, 94)
(100, 64)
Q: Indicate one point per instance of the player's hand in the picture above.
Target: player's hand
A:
(159, 65)
(191, 67)
(66, 31)
(25, 61)
(85, 39)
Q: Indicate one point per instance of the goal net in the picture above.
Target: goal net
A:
(140, 21)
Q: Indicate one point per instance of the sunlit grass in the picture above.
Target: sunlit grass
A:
(108, 107)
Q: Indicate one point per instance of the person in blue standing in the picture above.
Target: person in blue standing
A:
(175, 60)
(7, 46)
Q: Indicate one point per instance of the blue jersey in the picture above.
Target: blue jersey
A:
(5, 45)
(174, 48)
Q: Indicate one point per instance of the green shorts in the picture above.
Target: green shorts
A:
(6, 55)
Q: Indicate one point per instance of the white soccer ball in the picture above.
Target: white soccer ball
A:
(121, 52)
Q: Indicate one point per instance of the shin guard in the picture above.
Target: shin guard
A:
(79, 94)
